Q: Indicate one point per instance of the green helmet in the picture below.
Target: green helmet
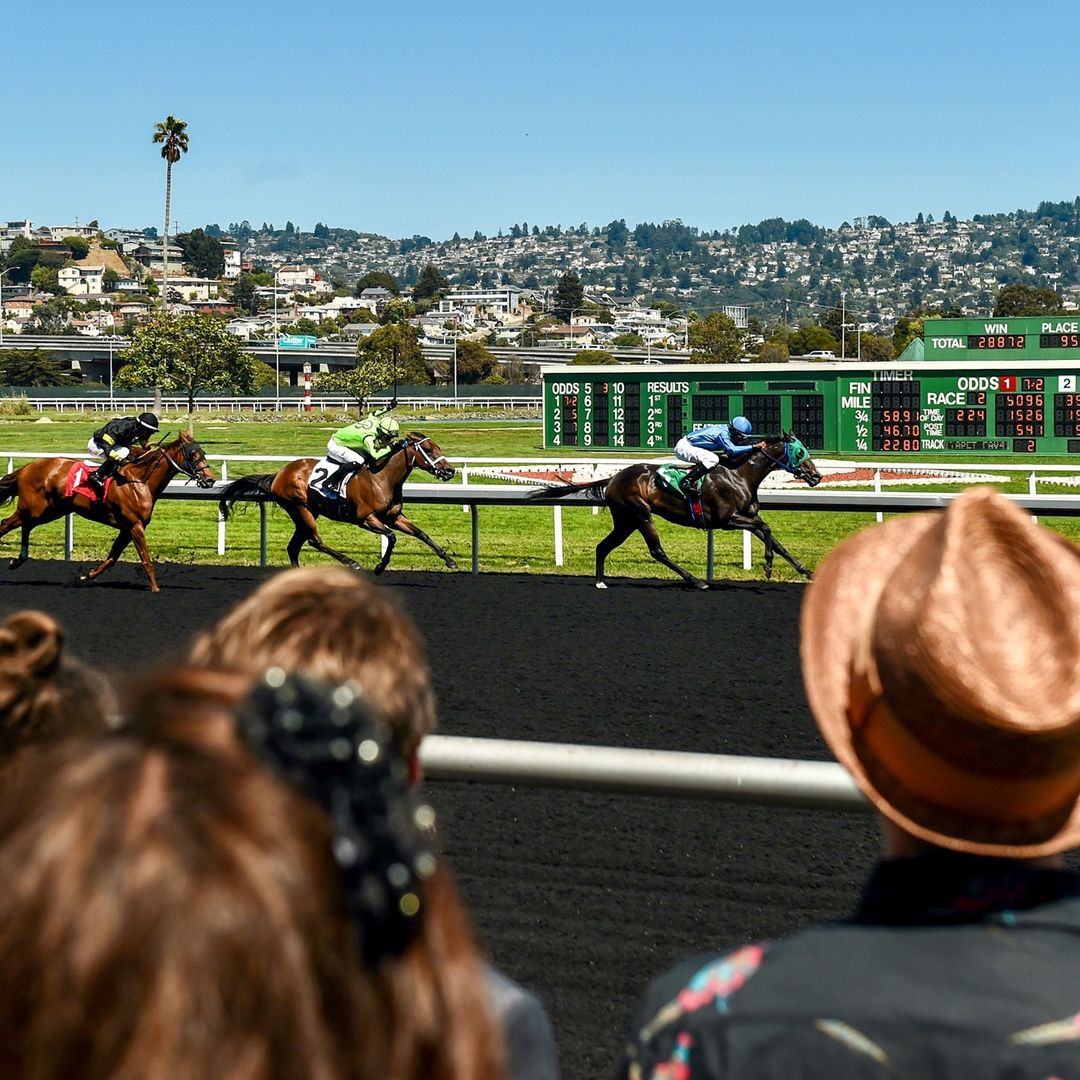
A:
(388, 426)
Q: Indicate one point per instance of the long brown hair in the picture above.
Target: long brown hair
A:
(338, 625)
(172, 910)
(45, 693)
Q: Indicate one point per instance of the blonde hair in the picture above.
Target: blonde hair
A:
(339, 626)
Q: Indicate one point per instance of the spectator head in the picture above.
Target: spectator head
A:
(45, 694)
(175, 908)
(939, 653)
(338, 626)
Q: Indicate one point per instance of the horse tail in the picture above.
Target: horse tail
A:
(9, 486)
(246, 485)
(595, 491)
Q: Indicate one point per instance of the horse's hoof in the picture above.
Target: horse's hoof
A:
(701, 585)
(601, 584)
(357, 568)
(377, 571)
(15, 564)
(451, 565)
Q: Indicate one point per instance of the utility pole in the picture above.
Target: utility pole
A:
(843, 321)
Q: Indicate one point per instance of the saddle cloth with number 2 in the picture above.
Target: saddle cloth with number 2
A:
(320, 479)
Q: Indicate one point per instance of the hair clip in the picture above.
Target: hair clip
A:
(324, 741)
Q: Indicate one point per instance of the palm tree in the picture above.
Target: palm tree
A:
(172, 134)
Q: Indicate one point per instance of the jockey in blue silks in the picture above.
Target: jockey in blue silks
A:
(706, 447)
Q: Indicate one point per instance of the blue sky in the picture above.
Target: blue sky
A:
(434, 117)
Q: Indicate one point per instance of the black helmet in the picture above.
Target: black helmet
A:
(148, 420)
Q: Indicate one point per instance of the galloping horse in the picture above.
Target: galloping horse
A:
(372, 499)
(41, 487)
(728, 501)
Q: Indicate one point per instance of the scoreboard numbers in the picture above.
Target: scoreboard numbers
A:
(895, 408)
(1019, 415)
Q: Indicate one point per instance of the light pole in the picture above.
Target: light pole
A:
(455, 368)
(112, 400)
(843, 322)
(277, 351)
(2, 273)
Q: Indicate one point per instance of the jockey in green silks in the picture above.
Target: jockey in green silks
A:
(367, 442)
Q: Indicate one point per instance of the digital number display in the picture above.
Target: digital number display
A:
(895, 409)
(601, 400)
(570, 417)
(1019, 416)
(965, 423)
(1024, 446)
(995, 342)
(1033, 383)
(1067, 415)
(1059, 341)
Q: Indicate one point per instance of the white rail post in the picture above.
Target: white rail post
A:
(224, 470)
(747, 562)
(877, 489)
(464, 483)
(383, 544)
(1032, 490)
(10, 464)
(558, 535)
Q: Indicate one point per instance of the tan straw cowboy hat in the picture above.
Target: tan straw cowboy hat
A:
(941, 656)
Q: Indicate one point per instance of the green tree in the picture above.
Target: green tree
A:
(244, 296)
(204, 254)
(80, 246)
(812, 338)
(373, 372)
(430, 284)
(906, 329)
(569, 295)
(377, 279)
(594, 356)
(474, 362)
(109, 279)
(1026, 300)
(34, 367)
(187, 354)
(172, 135)
(773, 352)
(716, 339)
(876, 349)
(45, 278)
(627, 341)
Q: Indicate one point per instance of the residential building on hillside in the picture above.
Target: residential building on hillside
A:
(82, 280)
(501, 300)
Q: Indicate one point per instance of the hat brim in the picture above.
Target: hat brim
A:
(833, 614)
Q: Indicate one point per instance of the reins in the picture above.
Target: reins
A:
(784, 462)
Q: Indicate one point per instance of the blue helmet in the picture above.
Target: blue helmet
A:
(741, 425)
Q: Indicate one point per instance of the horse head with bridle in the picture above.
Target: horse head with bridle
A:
(42, 490)
(372, 498)
(728, 500)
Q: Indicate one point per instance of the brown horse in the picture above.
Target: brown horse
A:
(728, 501)
(372, 499)
(40, 487)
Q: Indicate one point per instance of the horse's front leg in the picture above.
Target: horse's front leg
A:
(409, 528)
(118, 547)
(307, 529)
(138, 534)
(377, 526)
(775, 545)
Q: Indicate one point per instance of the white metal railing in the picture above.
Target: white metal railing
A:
(475, 496)
(288, 403)
(818, 785)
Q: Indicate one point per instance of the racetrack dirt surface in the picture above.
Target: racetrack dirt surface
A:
(581, 897)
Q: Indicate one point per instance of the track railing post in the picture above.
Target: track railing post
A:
(557, 514)
(710, 554)
(747, 562)
(1032, 490)
(475, 510)
(877, 490)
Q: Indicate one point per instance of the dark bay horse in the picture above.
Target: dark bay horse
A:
(372, 499)
(40, 488)
(728, 501)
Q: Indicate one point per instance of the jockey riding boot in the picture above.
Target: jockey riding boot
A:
(338, 477)
(688, 484)
(97, 478)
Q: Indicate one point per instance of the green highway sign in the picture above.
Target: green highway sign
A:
(297, 341)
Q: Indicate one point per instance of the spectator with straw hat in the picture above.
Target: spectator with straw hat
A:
(941, 656)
